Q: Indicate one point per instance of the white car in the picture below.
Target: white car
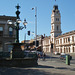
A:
(62, 53)
(56, 53)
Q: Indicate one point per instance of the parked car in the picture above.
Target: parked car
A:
(63, 57)
(56, 53)
(62, 53)
(39, 53)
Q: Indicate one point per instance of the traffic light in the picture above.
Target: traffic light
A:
(51, 45)
(28, 32)
(37, 43)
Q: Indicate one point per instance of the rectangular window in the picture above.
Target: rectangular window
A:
(68, 39)
(1, 47)
(72, 38)
(1, 28)
(64, 40)
(1, 31)
(60, 41)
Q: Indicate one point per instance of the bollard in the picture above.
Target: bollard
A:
(68, 59)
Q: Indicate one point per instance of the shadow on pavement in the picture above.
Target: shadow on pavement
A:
(61, 68)
(44, 66)
(64, 68)
(24, 71)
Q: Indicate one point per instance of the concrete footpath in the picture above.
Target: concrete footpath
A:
(57, 68)
(47, 67)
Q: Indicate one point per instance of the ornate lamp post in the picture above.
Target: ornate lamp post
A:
(16, 26)
(17, 51)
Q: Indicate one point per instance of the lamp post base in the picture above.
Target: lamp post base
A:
(17, 51)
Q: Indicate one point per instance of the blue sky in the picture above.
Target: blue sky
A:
(44, 11)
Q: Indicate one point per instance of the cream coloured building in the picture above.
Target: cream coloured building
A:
(62, 43)
(66, 43)
(46, 44)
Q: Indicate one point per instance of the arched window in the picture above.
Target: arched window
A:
(57, 19)
(73, 49)
(10, 32)
(57, 28)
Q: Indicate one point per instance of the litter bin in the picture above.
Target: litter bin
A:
(68, 59)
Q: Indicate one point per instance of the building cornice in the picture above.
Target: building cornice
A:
(7, 17)
(66, 34)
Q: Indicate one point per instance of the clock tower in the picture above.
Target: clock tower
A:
(55, 23)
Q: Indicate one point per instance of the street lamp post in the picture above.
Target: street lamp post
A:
(35, 26)
(17, 51)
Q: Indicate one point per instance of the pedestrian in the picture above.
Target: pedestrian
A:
(44, 56)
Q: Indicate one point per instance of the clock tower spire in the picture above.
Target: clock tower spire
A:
(55, 23)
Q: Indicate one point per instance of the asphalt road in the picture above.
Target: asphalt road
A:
(56, 58)
(50, 66)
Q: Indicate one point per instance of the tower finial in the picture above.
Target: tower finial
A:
(17, 6)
